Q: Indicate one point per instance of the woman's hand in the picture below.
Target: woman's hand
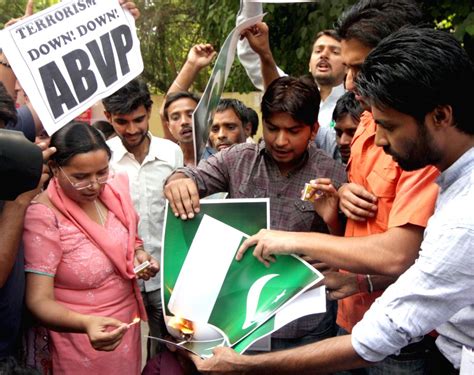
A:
(101, 336)
(142, 256)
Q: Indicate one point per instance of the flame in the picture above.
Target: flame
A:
(134, 321)
(185, 327)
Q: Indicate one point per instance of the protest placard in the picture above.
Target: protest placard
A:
(72, 54)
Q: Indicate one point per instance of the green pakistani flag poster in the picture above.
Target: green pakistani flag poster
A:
(226, 301)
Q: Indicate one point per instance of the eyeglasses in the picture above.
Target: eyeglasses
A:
(82, 185)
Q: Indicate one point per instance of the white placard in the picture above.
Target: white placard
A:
(204, 270)
(70, 55)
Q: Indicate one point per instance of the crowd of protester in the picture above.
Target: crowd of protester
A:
(380, 129)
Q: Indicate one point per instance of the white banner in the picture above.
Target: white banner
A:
(70, 55)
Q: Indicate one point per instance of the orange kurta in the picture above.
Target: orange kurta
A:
(403, 198)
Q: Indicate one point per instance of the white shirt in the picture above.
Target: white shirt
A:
(247, 56)
(326, 136)
(326, 107)
(437, 292)
(146, 187)
(325, 140)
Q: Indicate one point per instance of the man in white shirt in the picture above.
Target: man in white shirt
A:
(325, 66)
(148, 161)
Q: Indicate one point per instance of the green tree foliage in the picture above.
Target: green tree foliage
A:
(13, 9)
(169, 28)
(454, 16)
(292, 30)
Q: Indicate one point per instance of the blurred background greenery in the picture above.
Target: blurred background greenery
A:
(168, 28)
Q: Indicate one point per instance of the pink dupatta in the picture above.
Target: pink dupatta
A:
(116, 197)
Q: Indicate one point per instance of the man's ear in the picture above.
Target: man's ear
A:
(248, 129)
(108, 116)
(314, 130)
(443, 116)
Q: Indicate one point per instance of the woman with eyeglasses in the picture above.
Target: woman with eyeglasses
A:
(81, 247)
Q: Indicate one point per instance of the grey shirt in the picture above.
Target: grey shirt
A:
(248, 171)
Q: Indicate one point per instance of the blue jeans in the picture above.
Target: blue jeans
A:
(412, 360)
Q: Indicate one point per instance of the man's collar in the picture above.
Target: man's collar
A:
(117, 147)
(154, 150)
(336, 92)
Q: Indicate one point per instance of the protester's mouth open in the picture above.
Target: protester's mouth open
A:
(222, 146)
(323, 66)
(186, 132)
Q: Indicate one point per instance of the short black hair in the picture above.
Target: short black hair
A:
(76, 138)
(105, 127)
(127, 99)
(370, 21)
(347, 104)
(298, 97)
(237, 106)
(328, 32)
(415, 70)
(253, 119)
(174, 96)
(7, 106)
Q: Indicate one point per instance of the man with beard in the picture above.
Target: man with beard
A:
(386, 207)
(325, 66)
(415, 82)
(148, 161)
